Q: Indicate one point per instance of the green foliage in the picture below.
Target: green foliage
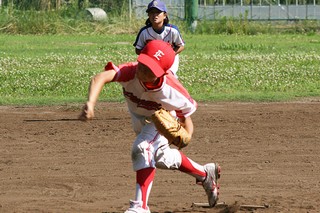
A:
(69, 19)
(65, 21)
(117, 7)
(57, 69)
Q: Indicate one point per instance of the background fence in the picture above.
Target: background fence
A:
(207, 9)
(251, 9)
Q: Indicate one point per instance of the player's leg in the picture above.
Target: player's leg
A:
(143, 151)
(144, 180)
(167, 158)
(207, 175)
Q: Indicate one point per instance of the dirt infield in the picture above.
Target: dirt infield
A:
(51, 162)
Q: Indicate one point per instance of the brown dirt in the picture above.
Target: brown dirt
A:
(51, 162)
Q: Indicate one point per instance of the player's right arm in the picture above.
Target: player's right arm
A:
(96, 85)
(140, 41)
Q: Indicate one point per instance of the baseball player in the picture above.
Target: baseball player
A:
(147, 86)
(158, 28)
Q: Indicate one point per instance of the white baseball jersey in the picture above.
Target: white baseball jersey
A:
(143, 101)
(170, 34)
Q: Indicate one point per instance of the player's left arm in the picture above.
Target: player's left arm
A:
(177, 40)
(178, 49)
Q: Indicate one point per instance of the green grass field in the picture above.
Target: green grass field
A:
(57, 69)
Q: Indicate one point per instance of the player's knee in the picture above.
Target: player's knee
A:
(137, 153)
(140, 156)
(167, 158)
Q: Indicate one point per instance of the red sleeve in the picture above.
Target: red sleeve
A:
(124, 72)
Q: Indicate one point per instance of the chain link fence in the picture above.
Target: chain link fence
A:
(251, 9)
(207, 9)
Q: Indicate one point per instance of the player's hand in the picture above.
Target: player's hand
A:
(87, 112)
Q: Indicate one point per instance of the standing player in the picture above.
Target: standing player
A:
(147, 86)
(158, 28)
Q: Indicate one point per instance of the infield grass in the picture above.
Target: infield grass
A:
(57, 69)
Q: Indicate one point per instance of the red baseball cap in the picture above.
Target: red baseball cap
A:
(158, 56)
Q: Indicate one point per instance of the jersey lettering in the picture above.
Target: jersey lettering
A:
(149, 105)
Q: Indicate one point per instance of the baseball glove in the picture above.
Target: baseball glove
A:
(170, 128)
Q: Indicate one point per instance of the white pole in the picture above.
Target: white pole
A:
(129, 9)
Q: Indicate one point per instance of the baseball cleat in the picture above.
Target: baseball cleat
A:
(210, 184)
(136, 207)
